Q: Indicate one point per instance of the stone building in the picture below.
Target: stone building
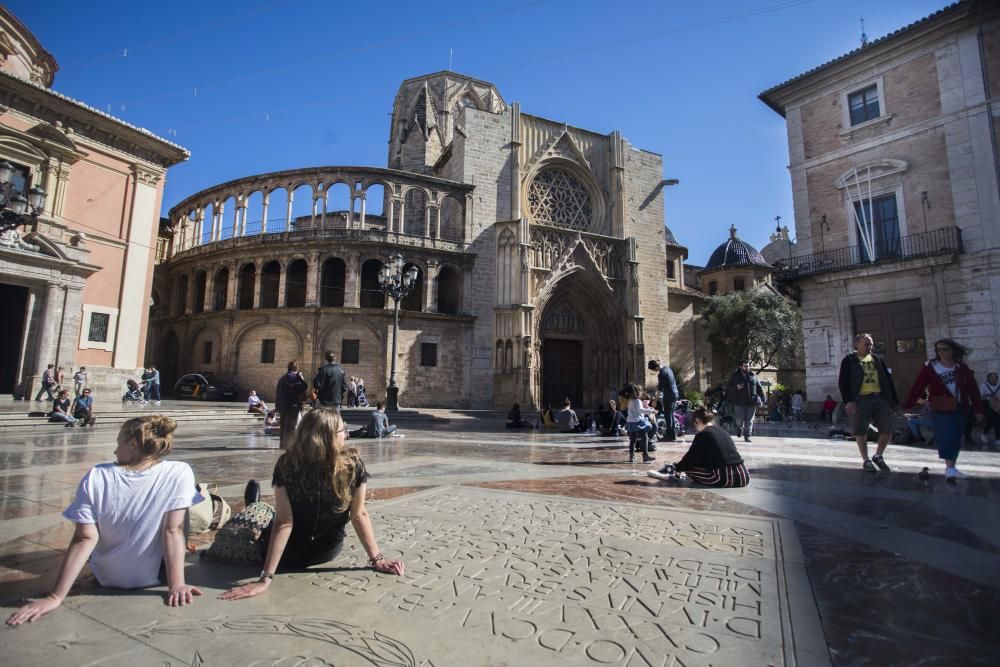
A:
(540, 249)
(894, 165)
(76, 283)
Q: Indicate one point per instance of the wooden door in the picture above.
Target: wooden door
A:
(562, 372)
(898, 330)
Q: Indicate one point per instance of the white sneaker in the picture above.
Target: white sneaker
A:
(955, 473)
(157, 402)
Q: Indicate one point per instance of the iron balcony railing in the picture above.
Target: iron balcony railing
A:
(938, 242)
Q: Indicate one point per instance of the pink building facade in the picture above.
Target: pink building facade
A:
(75, 284)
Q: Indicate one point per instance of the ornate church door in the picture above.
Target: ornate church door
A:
(562, 372)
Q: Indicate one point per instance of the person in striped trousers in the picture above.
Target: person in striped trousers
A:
(712, 459)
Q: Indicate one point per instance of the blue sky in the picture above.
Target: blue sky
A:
(265, 85)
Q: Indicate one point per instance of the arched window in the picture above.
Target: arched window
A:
(180, 303)
(199, 292)
(415, 299)
(220, 289)
(557, 197)
(371, 293)
(248, 282)
(449, 291)
(270, 279)
(295, 283)
(332, 282)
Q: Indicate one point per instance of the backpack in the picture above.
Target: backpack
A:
(212, 512)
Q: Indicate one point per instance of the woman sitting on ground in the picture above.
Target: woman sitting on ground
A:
(138, 505)
(60, 409)
(83, 408)
(712, 459)
(255, 404)
(318, 486)
(514, 418)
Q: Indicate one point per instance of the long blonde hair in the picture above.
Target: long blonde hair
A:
(315, 446)
(153, 435)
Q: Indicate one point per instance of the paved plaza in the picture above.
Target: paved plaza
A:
(535, 548)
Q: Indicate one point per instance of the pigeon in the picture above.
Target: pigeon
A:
(924, 475)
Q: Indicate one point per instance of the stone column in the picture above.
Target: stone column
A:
(430, 286)
(48, 325)
(233, 281)
(352, 281)
(363, 200)
(322, 215)
(288, 214)
(263, 219)
(257, 283)
(515, 161)
(189, 297)
(209, 304)
(427, 220)
(282, 276)
(312, 280)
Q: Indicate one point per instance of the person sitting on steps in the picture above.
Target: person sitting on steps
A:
(83, 408)
(514, 418)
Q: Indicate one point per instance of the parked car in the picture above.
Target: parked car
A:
(205, 387)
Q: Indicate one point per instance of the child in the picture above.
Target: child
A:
(139, 502)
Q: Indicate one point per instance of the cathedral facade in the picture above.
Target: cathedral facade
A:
(539, 246)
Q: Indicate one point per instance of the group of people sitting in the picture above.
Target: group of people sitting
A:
(140, 501)
(78, 412)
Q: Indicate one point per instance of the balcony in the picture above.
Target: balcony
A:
(938, 242)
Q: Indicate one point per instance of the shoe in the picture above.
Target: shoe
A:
(869, 466)
(739, 432)
(631, 459)
(251, 494)
(747, 439)
(880, 462)
(667, 472)
(648, 459)
(955, 473)
(157, 403)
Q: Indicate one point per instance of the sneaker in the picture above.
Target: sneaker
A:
(955, 473)
(869, 466)
(880, 462)
(747, 439)
(157, 403)
(667, 472)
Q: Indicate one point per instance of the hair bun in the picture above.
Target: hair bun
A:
(162, 425)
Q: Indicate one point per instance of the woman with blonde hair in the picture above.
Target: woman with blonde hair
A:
(319, 485)
(129, 519)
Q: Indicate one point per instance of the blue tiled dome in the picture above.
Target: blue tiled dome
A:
(735, 252)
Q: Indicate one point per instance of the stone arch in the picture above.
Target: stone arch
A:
(252, 372)
(253, 213)
(371, 349)
(452, 218)
(206, 333)
(371, 294)
(220, 289)
(449, 290)
(567, 351)
(200, 286)
(270, 281)
(333, 282)
(301, 195)
(415, 201)
(338, 203)
(296, 277)
(247, 286)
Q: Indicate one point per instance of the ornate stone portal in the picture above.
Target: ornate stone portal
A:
(491, 577)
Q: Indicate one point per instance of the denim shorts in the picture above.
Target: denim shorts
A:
(872, 409)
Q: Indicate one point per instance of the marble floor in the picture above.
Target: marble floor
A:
(899, 570)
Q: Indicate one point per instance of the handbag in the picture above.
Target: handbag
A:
(241, 540)
(943, 403)
(211, 513)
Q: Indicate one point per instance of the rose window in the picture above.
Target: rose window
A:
(556, 197)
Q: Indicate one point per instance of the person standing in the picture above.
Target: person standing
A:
(329, 383)
(869, 397)
(352, 392)
(989, 391)
(637, 424)
(744, 393)
(48, 383)
(288, 401)
(154, 384)
(147, 382)
(953, 393)
(79, 381)
(666, 385)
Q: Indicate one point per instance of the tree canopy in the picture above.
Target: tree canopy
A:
(758, 325)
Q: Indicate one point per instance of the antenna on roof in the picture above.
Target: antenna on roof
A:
(864, 37)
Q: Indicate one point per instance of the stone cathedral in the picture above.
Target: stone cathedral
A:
(540, 248)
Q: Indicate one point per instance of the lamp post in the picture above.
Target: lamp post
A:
(397, 284)
(15, 208)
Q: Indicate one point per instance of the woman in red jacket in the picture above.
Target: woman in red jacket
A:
(953, 392)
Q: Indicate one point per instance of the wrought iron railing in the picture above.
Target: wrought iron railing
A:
(937, 242)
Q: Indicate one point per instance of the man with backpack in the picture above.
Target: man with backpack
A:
(329, 383)
(288, 400)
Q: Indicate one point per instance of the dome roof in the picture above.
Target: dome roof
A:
(735, 252)
(671, 239)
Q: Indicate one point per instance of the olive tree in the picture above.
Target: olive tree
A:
(758, 325)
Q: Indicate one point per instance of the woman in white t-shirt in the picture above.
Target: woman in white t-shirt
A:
(139, 502)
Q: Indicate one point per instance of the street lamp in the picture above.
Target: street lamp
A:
(397, 284)
(15, 208)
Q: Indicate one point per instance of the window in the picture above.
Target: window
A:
(713, 287)
(350, 351)
(206, 352)
(99, 327)
(739, 285)
(556, 197)
(20, 179)
(864, 105)
(267, 351)
(671, 271)
(428, 354)
(877, 222)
